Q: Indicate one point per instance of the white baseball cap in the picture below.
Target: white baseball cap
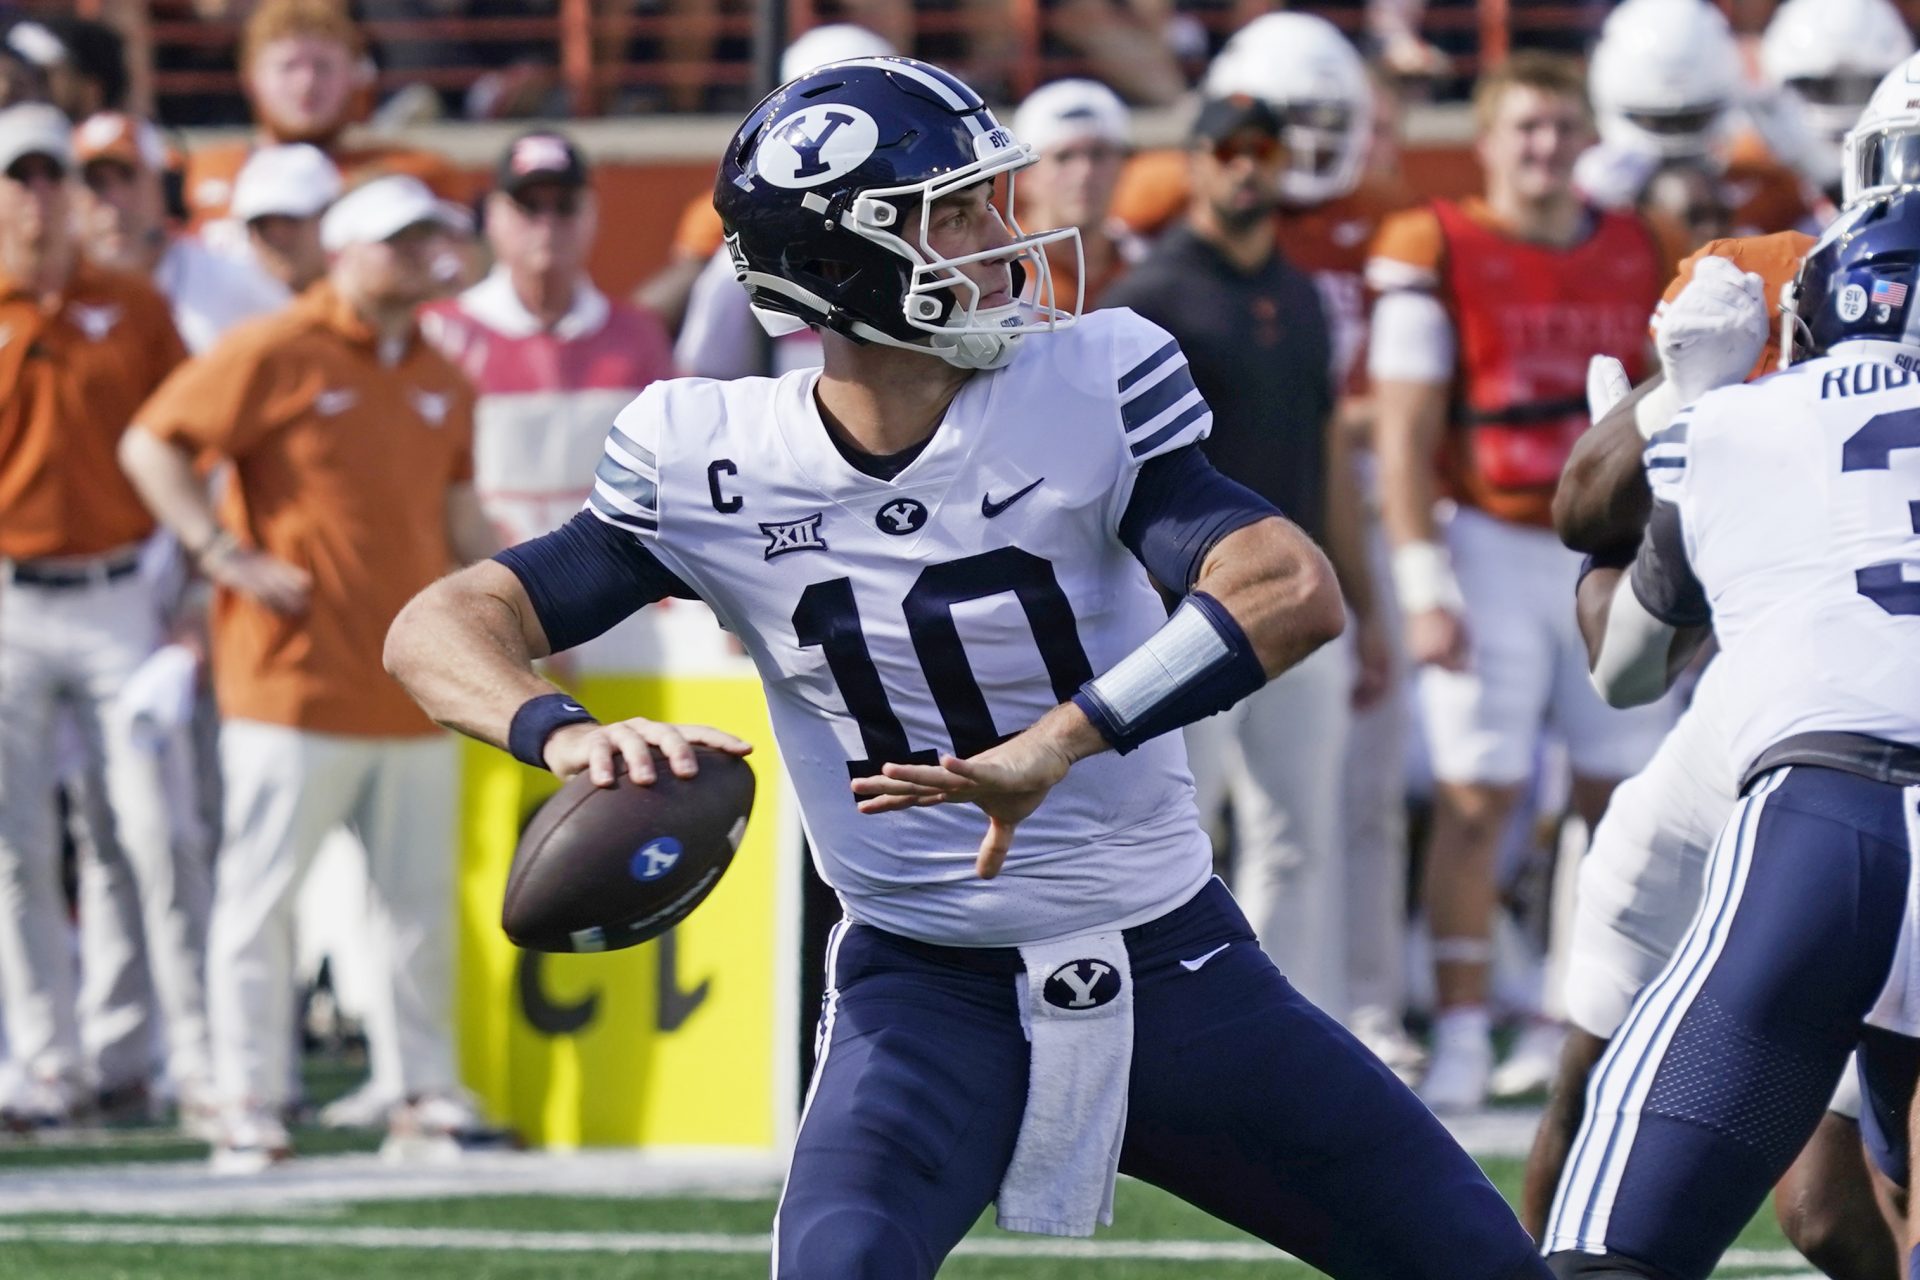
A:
(295, 180)
(1068, 111)
(382, 209)
(35, 129)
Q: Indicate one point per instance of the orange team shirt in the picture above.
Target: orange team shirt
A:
(1763, 194)
(71, 376)
(1527, 318)
(1775, 259)
(699, 234)
(211, 172)
(1152, 192)
(342, 466)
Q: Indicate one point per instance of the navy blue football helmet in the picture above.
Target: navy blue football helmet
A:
(826, 173)
(1858, 281)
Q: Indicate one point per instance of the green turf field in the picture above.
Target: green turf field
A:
(537, 1236)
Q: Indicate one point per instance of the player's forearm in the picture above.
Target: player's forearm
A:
(1408, 420)
(1279, 587)
(1346, 534)
(164, 477)
(461, 652)
(1602, 499)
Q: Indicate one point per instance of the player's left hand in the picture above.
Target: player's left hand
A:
(1007, 782)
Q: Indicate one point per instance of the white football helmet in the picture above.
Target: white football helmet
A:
(1314, 77)
(1665, 77)
(1882, 153)
(834, 42)
(1827, 56)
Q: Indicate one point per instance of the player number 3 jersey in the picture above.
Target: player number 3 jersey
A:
(1799, 505)
(943, 610)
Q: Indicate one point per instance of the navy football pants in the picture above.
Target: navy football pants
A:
(1727, 1060)
(1245, 1100)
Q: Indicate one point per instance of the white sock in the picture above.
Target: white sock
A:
(1464, 1025)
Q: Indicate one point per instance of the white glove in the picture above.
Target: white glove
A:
(1713, 332)
(1607, 386)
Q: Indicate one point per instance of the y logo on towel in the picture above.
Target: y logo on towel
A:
(1082, 984)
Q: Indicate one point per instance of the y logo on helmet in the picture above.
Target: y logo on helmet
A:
(817, 145)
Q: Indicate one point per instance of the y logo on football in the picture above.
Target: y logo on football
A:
(818, 145)
(655, 858)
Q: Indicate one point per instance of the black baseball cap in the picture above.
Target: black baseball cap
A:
(540, 157)
(1221, 118)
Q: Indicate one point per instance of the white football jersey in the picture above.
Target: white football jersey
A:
(1799, 502)
(943, 610)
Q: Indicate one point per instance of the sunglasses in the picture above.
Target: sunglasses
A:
(1259, 147)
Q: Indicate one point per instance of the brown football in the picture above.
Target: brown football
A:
(600, 868)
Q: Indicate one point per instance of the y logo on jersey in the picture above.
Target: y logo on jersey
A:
(817, 145)
(794, 535)
(901, 517)
(1082, 984)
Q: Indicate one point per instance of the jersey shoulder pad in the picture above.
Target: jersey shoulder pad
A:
(1160, 408)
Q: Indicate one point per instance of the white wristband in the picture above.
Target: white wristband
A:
(1654, 411)
(1423, 579)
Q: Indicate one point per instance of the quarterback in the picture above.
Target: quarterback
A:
(937, 551)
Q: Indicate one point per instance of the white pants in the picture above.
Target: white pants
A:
(121, 1021)
(1374, 822)
(1527, 667)
(286, 789)
(1279, 756)
(73, 648)
(1642, 878)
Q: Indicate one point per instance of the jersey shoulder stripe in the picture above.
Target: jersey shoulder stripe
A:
(1167, 352)
(1160, 406)
(1665, 456)
(626, 483)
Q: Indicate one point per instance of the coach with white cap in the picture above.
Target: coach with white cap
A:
(274, 215)
(350, 440)
(1083, 135)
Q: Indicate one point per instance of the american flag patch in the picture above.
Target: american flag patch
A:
(1890, 292)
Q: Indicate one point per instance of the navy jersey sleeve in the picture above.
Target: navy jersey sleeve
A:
(1181, 507)
(586, 577)
(1662, 578)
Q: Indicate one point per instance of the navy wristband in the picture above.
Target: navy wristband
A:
(536, 721)
(1200, 663)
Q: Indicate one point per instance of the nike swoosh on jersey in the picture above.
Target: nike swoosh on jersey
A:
(1194, 965)
(989, 508)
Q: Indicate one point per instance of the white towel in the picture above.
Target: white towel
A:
(1076, 1001)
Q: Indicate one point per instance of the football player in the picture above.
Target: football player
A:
(1489, 309)
(1667, 84)
(1826, 57)
(1782, 516)
(1641, 879)
(937, 550)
